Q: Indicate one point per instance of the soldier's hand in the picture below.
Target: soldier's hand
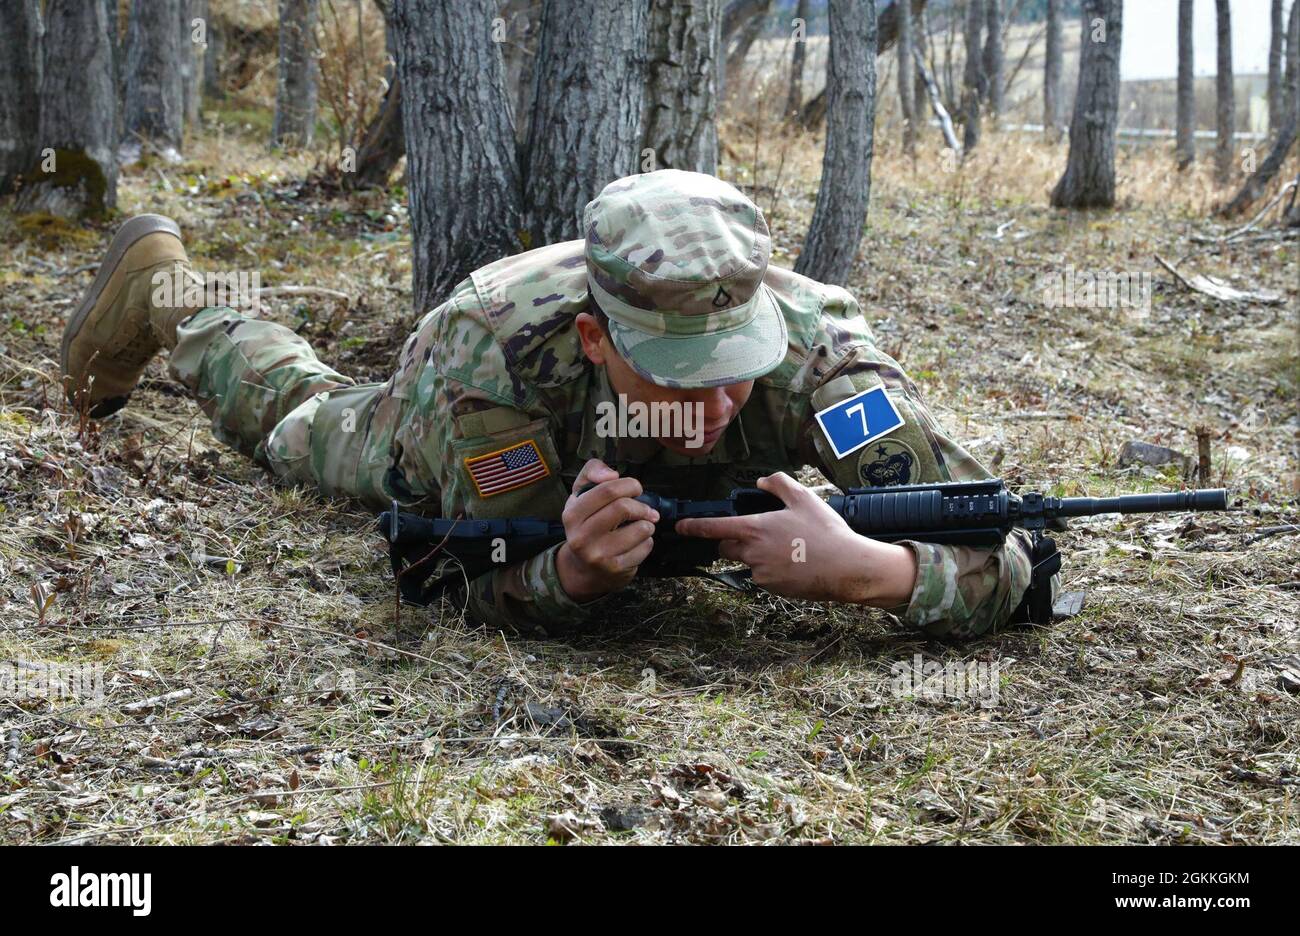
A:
(808, 551)
(608, 533)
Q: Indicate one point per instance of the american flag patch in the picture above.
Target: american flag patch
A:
(498, 472)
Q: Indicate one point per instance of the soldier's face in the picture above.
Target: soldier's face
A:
(718, 405)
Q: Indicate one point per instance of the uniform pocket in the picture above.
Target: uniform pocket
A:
(513, 472)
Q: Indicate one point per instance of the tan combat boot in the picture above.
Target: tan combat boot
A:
(120, 325)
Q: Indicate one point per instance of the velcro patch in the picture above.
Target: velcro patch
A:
(507, 469)
(864, 417)
(887, 462)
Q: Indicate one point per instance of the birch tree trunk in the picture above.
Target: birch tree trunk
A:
(936, 105)
(1225, 104)
(841, 211)
(295, 89)
(1089, 179)
(1186, 146)
(153, 104)
(465, 193)
(586, 129)
(20, 83)
(681, 101)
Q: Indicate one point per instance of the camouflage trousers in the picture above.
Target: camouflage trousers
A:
(269, 396)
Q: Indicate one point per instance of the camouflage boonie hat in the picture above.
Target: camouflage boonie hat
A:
(676, 260)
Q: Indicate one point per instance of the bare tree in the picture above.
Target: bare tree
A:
(1052, 68)
(295, 87)
(382, 143)
(994, 57)
(191, 59)
(681, 102)
(794, 98)
(973, 78)
(906, 86)
(742, 23)
(1255, 186)
(586, 129)
(923, 46)
(78, 125)
(20, 82)
(214, 57)
(81, 117)
(841, 211)
(814, 112)
(153, 103)
(1225, 102)
(936, 105)
(465, 194)
(1291, 84)
(1089, 179)
(1277, 35)
(1186, 146)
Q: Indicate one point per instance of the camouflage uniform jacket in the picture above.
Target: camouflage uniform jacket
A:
(500, 363)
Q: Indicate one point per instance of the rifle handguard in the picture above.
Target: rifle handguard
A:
(967, 513)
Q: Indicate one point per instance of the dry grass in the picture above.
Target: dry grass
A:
(687, 714)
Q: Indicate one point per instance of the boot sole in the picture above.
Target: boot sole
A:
(126, 237)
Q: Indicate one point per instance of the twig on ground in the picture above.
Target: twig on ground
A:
(11, 759)
(1273, 531)
(1233, 235)
(304, 291)
(1217, 290)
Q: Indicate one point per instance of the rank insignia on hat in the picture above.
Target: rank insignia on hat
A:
(504, 470)
(864, 417)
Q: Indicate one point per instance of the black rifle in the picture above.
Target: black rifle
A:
(968, 513)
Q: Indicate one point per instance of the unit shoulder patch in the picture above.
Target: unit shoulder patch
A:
(888, 462)
(508, 468)
(859, 420)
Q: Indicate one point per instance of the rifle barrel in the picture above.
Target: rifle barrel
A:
(1207, 499)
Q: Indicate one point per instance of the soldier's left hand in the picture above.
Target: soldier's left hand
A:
(808, 551)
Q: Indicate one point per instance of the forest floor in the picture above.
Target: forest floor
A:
(257, 686)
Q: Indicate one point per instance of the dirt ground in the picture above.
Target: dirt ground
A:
(257, 684)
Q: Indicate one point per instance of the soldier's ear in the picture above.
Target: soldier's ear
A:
(595, 340)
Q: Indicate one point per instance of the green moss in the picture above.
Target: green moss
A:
(54, 233)
(71, 169)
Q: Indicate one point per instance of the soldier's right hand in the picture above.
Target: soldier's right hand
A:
(608, 533)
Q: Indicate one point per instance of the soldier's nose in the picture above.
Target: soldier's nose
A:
(717, 406)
